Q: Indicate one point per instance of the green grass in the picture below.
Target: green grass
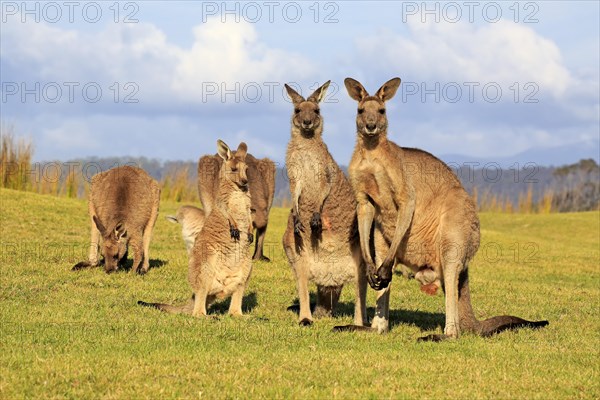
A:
(82, 335)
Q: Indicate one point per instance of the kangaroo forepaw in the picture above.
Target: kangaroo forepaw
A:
(250, 237)
(315, 223)
(371, 274)
(234, 232)
(298, 227)
(386, 268)
(380, 279)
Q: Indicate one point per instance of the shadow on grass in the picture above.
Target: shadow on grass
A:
(295, 307)
(126, 267)
(249, 302)
(123, 266)
(425, 321)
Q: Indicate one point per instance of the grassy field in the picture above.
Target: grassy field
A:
(81, 334)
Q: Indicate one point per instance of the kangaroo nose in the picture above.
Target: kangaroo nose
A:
(371, 127)
(244, 182)
(306, 122)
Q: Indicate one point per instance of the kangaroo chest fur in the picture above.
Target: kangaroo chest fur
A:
(328, 258)
(224, 260)
(307, 166)
(313, 173)
(373, 179)
(371, 174)
(238, 204)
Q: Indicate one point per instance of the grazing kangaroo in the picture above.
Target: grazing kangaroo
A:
(123, 208)
(321, 241)
(219, 263)
(261, 180)
(412, 209)
(191, 220)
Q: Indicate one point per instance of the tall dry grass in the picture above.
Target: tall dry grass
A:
(15, 160)
(19, 173)
(525, 202)
(489, 202)
(545, 205)
(177, 186)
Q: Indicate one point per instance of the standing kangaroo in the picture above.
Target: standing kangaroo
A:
(261, 181)
(219, 262)
(413, 209)
(123, 208)
(321, 242)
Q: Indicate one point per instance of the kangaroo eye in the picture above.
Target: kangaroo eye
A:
(361, 110)
(317, 111)
(297, 111)
(234, 169)
(382, 111)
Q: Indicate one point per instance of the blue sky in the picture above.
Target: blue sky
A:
(490, 79)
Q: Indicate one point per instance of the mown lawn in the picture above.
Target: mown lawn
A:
(81, 334)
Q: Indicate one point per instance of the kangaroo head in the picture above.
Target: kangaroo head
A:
(114, 244)
(371, 119)
(234, 164)
(307, 119)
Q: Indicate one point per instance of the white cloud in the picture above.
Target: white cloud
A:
(230, 53)
(173, 121)
(566, 112)
(141, 53)
(503, 52)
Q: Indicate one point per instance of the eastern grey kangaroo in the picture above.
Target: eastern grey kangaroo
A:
(321, 241)
(219, 262)
(412, 209)
(123, 208)
(261, 182)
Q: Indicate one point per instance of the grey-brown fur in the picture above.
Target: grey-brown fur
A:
(412, 209)
(219, 262)
(321, 242)
(261, 178)
(191, 220)
(123, 208)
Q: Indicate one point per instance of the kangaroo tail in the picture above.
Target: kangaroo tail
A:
(81, 265)
(494, 325)
(490, 326)
(186, 308)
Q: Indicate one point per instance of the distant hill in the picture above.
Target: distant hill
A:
(543, 156)
(575, 186)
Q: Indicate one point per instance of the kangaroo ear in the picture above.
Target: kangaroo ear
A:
(242, 150)
(223, 150)
(296, 98)
(120, 231)
(99, 225)
(355, 89)
(172, 218)
(388, 90)
(319, 94)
